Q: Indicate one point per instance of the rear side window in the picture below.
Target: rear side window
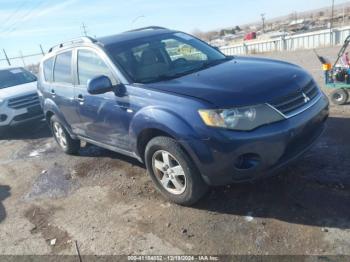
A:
(91, 65)
(63, 68)
(48, 65)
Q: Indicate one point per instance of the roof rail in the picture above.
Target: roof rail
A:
(83, 39)
(147, 28)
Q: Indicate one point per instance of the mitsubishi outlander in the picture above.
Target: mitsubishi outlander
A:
(194, 116)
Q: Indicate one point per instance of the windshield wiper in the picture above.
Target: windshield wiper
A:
(210, 63)
(204, 65)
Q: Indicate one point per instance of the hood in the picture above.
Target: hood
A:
(14, 91)
(239, 82)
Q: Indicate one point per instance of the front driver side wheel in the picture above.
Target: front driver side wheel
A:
(173, 172)
(63, 139)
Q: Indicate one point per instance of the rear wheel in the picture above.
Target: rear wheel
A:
(63, 139)
(340, 96)
(173, 172)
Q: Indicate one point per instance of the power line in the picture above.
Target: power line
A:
(13, 14)
(15, 25)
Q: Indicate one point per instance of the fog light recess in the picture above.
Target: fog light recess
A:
(247, 161)
(3, 117)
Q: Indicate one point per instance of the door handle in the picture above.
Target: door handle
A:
(80, 98)
(52, 92)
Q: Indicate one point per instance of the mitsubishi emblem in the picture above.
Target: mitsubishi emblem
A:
(306, 98)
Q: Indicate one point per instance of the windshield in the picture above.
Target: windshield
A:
(14, 77)
(164, 57)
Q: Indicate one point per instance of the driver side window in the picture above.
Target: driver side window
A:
(177, 49)
(91, 65)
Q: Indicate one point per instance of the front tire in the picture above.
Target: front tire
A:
(66, 143)
(173, 172)
(339, 96)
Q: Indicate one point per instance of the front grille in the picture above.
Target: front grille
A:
(24, 101)
(34, 111)
(292, 102)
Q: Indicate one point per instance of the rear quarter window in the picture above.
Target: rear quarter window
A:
(48, 66)
(63, 68)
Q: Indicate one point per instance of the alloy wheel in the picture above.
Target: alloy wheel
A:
(60, 135)
(169, 172)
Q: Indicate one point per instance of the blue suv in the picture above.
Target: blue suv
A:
(195, 117)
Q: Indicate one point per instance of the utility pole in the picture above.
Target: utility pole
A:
(263, 22)
(42, 50)
(21, 56)
(84, 29)
(331, 24)
(332, 16)
(7, 58)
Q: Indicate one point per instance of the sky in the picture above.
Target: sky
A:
(24, 24)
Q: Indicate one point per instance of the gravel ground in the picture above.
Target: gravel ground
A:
(107, 203)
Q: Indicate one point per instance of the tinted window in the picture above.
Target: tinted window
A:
(14, 77)
(91, 65)
(63, 68)
(162, 57)
(48, 65)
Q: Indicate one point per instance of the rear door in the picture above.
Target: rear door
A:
(62, 88)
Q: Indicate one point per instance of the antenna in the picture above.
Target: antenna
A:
(84, 29)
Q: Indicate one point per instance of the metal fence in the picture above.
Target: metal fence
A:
(311, 40)
(26, 60)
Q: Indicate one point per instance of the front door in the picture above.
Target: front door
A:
(103, 118)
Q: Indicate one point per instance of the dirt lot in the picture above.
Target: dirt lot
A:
(106, 202)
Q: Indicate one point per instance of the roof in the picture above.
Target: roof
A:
(108, 40)
(133, 34)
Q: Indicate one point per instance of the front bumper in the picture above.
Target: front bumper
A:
(271, 147)
(20, 116)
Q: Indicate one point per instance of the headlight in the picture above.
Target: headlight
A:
(241, 118)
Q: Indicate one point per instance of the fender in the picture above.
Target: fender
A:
(50, 106)
(160, 118)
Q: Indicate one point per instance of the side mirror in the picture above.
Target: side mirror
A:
(99, 85)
